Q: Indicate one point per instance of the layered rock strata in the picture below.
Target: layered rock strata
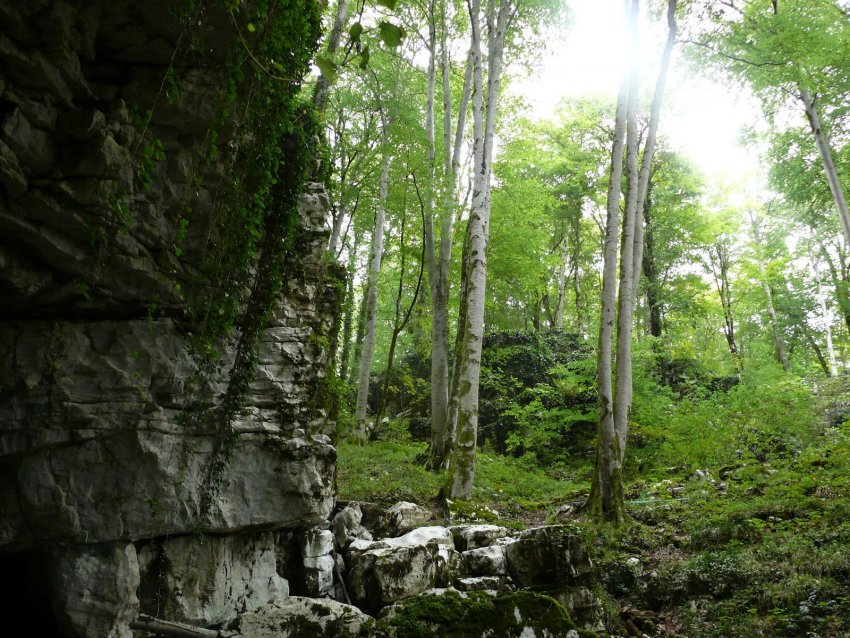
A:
(108, 197)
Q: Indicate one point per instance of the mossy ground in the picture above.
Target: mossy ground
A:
(752, 548)
(452, 616)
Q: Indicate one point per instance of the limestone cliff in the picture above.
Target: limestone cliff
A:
(106, 210)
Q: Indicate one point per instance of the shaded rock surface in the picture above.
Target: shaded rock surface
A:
(108, 192)
(207, 581)
(300, 617)
(403, 517)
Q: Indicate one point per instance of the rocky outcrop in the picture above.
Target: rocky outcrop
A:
(112, 161)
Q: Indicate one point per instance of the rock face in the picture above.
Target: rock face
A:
(107, 200)
(403, 517)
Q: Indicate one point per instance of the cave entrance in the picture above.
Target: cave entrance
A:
(25, 592)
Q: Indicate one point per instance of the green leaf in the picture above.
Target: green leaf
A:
(389, 4)
(251, 28)
(391, 35)
(355, 32)
(327, 67)
(364, 57)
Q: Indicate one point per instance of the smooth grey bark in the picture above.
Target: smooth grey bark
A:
(358, 341)
(778, 341)
(320, 95)
(650, 271)
(825, 150)
(615, 396)
(832, 370)
(840, 281)
(348, 311)
(628, 281)
(718, 256)
(606, 495)
(562, 279)
(371, 298)
(472, 315)
(442, 424)
(439, 349)
(400, 319)
(632, 247)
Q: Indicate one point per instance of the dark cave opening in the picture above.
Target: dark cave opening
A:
(25, 592)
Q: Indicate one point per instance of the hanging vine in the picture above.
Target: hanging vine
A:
(272, 131)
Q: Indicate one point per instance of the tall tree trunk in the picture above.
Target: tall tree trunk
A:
(371, 300)
(643, 202)
(323, 87)
(615, 398)
(348, 311)
(606, 491)
(821, 297)
(628, 281)
(719, 259)
(440, 265)
(778, 341)
(463, 465)
(840, 283)
(400, 320)
(451, 422)
(562, 278)
(825, 150)
(650, 270)
(818, 352)
(358, 341)
(576, 272)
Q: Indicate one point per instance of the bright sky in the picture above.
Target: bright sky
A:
(702, 118)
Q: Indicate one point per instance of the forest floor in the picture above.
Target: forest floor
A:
(754, 548)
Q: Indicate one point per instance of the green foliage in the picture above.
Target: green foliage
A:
(533, 390)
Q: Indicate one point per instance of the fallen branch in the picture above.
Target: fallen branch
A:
(175, 629)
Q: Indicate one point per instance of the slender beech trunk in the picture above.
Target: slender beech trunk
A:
(650, 271)
(606, 492)
(358, 340)
(451, 423)
(440, 264)
(628, 281)
(562, 278)
(323, 87)
(778, 341)
(818, 352)
(825, 150)
(348, 310)
(575, 271)
(472, 315)
(371, 297)
(643, 203)
(401, 319)
(719, 259)
(821, 297)
(840, 283)
(615, 398)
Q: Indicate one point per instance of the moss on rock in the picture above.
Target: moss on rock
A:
(452, 615)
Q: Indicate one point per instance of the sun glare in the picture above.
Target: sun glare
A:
(702, 118)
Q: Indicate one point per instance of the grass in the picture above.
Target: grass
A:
(507, 490)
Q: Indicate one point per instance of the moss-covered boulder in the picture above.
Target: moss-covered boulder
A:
(449, 614)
